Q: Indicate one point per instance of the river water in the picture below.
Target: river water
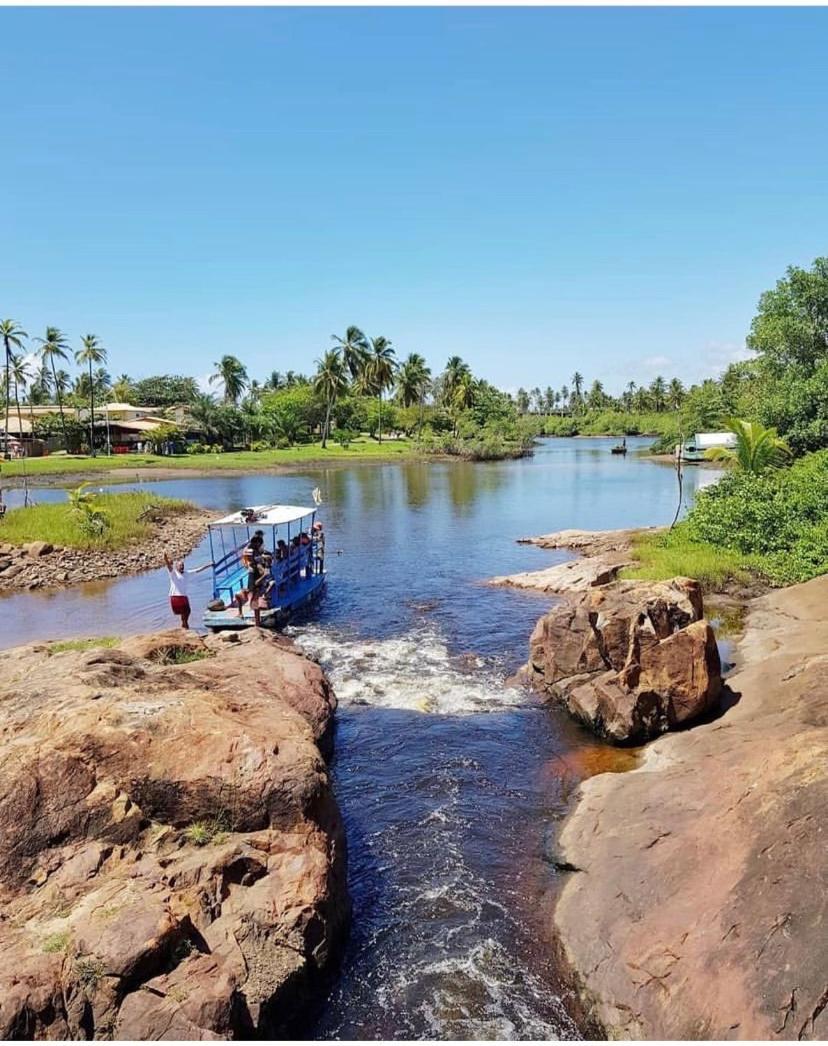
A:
(452, 784)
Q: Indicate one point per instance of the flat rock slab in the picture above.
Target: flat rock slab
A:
(700, 907)
(576, 575)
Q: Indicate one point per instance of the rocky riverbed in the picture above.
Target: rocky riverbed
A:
(39, 564)
(172, 861)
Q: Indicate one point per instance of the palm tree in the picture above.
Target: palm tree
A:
(378, 373)
(658, 390)
(91, 352)
(12, 336)
(204, 412)
(20, 375)
(122, 389)
(577, 385)
(630, 394)
(522, 401)
(274, 382)
(330, 382)
(54, 347)
(757, 448)
(232, 374)
(413, 383)
(676, 393)
(462, 397)
(354, 347)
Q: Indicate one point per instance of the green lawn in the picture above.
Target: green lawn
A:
(130, 518)
(243, 460)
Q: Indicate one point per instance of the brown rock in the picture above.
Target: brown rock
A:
(699, 908)
(631, 659)
(34, 549)
(171, 858)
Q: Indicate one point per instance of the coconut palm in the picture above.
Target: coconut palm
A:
(122, 389)
(757, 448)
(231, 373)
(13, 337)
(658, 391)
(52, 348)
(204, 412)
(355, 350)
(462, 397)
(577, 385)
(20, 374)
(413, 383)
(675, 393)
(91, 352)
(378, 373)
(331, 381)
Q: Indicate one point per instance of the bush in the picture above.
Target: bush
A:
(781, 516)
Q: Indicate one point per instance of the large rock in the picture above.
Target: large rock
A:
(631, 660)
(172, 862)
(699, 904)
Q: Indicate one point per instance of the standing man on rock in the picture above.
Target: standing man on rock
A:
(179, 586)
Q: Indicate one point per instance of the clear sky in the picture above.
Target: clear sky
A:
(538, 190)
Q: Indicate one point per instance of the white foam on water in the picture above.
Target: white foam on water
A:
(415, 672)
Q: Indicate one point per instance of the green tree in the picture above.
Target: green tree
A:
(522, 400)
(122, 390)
(330, 383)
(231, 373)
(675, 393)
(413, 383)
(658, 392)
(577, 386)
(91, 352)
(13, 337)
(355, 350)
(55, 347)
(791, 324)
(379, 371)
(757, 448)
(20, 375)
(164, 390)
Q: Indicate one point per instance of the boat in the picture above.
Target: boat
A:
(298, 580)
(696, 448)
(619, 448)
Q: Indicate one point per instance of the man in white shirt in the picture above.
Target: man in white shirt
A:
(179, 586)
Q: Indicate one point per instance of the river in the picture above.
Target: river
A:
(451, 783)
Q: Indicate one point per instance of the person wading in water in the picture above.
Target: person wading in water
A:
(179, 585)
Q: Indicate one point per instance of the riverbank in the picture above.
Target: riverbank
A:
(38, 563)
(696, 905)
(148, 896)
(68, 470)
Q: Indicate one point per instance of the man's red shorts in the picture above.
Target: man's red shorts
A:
(180, 605)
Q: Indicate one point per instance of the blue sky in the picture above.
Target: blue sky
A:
(538, 190)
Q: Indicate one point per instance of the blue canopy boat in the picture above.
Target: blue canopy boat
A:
(291, 581)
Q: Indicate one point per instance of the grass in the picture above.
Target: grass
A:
(62, 645)
(241, 460)
(56, 942)
(130, 515)
(181, 656)
(674, 553)
(200, 833)
(89, 971)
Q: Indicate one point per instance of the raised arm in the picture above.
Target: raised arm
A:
(167, 561)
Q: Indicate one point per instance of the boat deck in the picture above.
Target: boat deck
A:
(301, 594)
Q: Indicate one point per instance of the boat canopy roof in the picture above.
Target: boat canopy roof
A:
(265, 515)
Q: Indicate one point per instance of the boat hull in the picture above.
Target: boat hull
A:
(300, 598)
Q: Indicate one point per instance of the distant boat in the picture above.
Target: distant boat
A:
(296, 581)
(620, 448)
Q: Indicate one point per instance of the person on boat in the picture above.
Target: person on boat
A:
(179, 585)
(319, 546)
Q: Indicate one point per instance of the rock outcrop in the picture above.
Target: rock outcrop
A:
(698, 908)
(631, 659)
(602, 555)
(172, 861)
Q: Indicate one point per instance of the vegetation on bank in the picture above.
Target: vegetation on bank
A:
(609, 423)
(772, 525)
(127, 520)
